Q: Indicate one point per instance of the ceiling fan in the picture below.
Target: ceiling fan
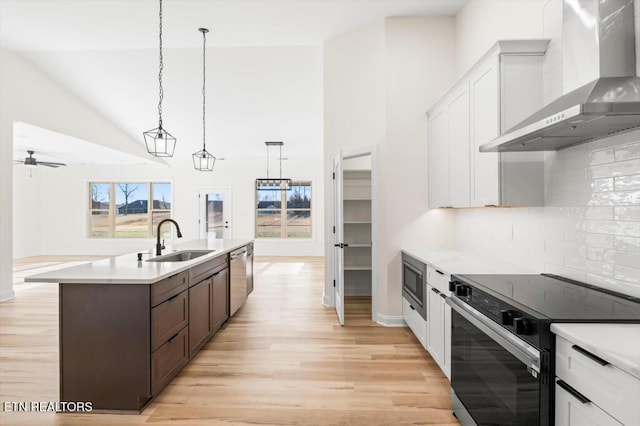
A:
(32, 162)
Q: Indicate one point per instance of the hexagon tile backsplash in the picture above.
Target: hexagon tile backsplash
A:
(589, 229)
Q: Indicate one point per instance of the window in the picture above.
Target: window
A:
(283, 212)
(124, 209)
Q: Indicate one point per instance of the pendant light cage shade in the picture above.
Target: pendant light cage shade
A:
(203, 161)
(160, 142)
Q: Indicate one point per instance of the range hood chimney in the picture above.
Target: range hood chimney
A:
(598, 42)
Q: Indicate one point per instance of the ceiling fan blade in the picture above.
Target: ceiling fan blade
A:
(18, 161)
(50, 164)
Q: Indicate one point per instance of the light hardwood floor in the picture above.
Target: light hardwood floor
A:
(281, 360)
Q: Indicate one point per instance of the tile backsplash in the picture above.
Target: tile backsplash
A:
(589, 229)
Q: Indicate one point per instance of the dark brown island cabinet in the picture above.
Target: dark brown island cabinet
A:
(121, 344)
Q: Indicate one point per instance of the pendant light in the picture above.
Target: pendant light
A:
(160, 142)
(203, 160)
(270, 183)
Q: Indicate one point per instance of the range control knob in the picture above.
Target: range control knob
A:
(507, 316)
(523, 326)
(462, 290)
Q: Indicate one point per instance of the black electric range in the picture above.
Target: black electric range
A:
(502, 349)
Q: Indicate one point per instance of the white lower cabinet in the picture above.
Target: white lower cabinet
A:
(416, 323)
(572, 412)
(591, 391)
(438, 320)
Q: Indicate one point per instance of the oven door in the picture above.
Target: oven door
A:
(494, 374)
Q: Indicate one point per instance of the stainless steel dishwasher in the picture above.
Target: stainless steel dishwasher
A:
(238, 293)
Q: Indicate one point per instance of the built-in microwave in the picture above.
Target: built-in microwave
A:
(414, 275)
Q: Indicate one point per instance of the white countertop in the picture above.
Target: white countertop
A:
(457, 262)
(617, 343)
(126, 269)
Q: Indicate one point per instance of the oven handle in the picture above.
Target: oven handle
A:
(526, 353)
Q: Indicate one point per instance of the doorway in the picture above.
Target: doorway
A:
(215, 212)
(355, 295)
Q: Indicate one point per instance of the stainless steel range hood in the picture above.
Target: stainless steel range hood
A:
(597, 39)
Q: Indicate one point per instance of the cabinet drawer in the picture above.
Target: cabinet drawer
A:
(169, 359)
(206, 269)
(168, 287)
(572, 412)
(168, 318)
(417, 324)
(610, 388)
(438, 279)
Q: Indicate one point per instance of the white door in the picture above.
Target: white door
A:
(338, 238)
(215, 213)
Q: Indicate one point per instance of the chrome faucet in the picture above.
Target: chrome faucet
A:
(159, 246)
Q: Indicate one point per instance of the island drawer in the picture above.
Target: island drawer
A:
(169, 359)
(207, 269)
(168, 318)
(169, 287)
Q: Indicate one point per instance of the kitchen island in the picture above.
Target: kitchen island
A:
(128, 326)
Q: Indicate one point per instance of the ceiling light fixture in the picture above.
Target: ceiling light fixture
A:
(203, 160)
(273, 183)
(160, 142)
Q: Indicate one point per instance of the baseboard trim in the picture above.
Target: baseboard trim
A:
(391, 321)
(326, 300)
(11, 294)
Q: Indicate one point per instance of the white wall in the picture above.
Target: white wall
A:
(287, 96)
(28, 95)
(27, 208)
(379, 81)
(253, 94)
(482, 22)
(64, 215)
(589, 229)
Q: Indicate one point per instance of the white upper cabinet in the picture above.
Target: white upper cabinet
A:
(484, 84)
(458, 118)
(438, 149)
(503, 88)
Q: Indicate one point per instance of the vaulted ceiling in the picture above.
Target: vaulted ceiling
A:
(105, 52)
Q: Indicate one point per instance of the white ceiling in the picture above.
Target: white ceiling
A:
(59, 148)
(27, 25)
(264, 65)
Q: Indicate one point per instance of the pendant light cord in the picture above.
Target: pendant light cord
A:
(161, 91)
(204, 57)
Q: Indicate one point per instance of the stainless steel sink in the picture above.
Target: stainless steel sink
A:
(180, 256)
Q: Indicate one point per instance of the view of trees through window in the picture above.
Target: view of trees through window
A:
(128, 209)
(284, 212)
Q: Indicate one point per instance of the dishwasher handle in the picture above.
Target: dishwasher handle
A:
(238, 254)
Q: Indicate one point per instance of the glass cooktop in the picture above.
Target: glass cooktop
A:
(557, 298)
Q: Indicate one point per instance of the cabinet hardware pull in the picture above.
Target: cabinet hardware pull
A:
(435, 290)
(174, 337)
(444, 296)
(441, 273)
(412, 308)
(577, 395)
(591, 356)
(172, 298)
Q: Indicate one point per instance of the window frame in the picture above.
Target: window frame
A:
(111, 233)
(284, 208)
